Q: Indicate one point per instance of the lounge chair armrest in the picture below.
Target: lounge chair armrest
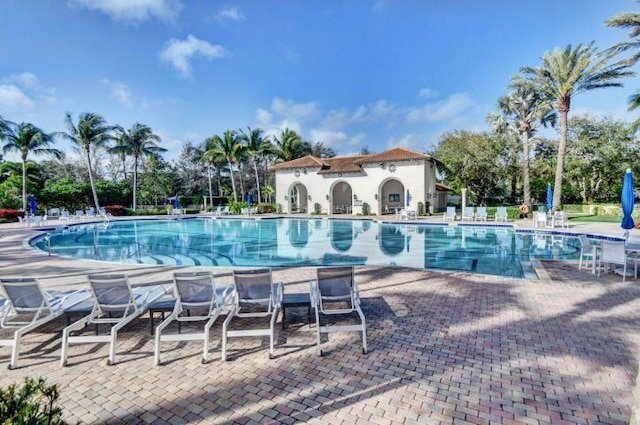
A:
(313, 293)
(277, 296)
(227, 296)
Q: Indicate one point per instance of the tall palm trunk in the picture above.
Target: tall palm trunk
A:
(91, 181)
(563, 109)
(210, 186)
(526, 178)
(24, 185)
(233, 182)
(135, 183)
(255, 167)
(124, 167)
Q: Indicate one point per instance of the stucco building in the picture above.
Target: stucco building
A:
(394, 179)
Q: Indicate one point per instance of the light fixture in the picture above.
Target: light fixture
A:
(383, 165)
(297, 173)
(286, 197)
(309, 197)
(304, 171)
(355, 197)
(327, 197)
(392, 168)
(376, 196)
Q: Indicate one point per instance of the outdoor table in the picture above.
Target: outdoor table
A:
(301, 299)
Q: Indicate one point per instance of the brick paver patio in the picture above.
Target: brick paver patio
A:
(444, 348)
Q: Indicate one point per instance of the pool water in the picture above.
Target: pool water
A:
(309, 242)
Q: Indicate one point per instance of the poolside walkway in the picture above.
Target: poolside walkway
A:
(448, 348)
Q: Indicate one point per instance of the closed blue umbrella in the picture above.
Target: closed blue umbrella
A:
(176, 202)
(249, 199)
(549, 197)
(408, 197)
(628, 196)
(32, 204)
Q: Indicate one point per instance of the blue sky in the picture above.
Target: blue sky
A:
(349, 73)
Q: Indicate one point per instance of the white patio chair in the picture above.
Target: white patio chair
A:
(412, 215)
(450, 214)
(481, 214)
(218, 211)
(28, 307)
(64, 215)
(79, 215)
(335, 292)
(560, 219)
(501, 214)
(615, 253)
(255, 296)
(226, 210)
(197, 299)
(587, 251)
(115, 304)
(467, 214)
(539, 219)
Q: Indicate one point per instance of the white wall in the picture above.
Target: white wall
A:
(416, 176)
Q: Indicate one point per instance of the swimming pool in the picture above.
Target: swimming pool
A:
(309, 242)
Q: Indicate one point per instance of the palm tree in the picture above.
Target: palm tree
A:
(230, 148)
(631, 21)
(26, 138)
(90, 134)
(120, 150)
(522, 111)
(257, 148)
(289, 145)
(139, 142)
(562, 75)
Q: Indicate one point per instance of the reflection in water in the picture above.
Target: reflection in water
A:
(300, 242)
(341, 235)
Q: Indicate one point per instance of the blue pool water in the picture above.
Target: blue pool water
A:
(309, 242)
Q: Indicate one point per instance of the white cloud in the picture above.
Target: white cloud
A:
(412, 140)
(26, 80)
(11, 97)
(179, 53)
(120, 91)
(372, 113)
(336, 139)
(133, 11)
(231, 14)
(264, 117)
(427, 93)
(441, 110)
(291, 109)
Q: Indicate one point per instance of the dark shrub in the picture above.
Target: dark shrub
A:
(11, 215)
(116, 210)
(33, 403)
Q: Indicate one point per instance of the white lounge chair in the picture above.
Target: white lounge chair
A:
(615, 253)
(335, 292)
(501, 214)
(226, 211)
(64, 215)
(450, 214)
(255, 296)
(218, 211)
(467, 214)
(116, 304)
(28, 307)
(197, 299)
(481, 214)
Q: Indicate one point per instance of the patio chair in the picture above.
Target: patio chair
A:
(64, 215)
(501, 214)
(539, 219)
(467, 214)
(450, 214)
(560, 219)
(615, 253)
(481, 214)
(335, 287)
(226, 210)
(412, 215)
(115, 304)
(28, 307)
(197, 299)
(218, 211)
(255, 296)
(587, 251)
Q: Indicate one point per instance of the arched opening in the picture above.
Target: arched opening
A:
(341, 198)
(391, 240)
(298, 233)
(298, 199)
(392, 195)
(341, 235)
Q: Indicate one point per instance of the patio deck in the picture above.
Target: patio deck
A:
(444, 348)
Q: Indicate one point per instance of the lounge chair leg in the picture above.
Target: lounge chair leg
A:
(15, 351)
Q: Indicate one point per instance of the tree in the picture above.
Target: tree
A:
(564, 74)
(231, 149)
(91, 133)
(289, 145)
(139, 142)
(26, 138)
(470, 160)
(522, 111)
(631, 21)
(257, 148)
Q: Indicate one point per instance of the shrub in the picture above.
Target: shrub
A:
(420, 208)
(9, 214)
(366, 209)
(34, 402)
(267, 208)
(116, 210)
(317, 208)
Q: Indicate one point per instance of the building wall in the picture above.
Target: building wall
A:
(418, 177)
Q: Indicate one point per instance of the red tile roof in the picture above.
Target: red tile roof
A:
(396, 154)
(308, 161)
(442, 187)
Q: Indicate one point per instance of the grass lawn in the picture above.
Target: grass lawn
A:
(595, 219)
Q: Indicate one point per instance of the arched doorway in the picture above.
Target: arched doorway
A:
(392, 196)
(298, 196)
(341, 235)
(341, 198)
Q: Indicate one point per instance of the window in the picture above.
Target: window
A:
(394, 197)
